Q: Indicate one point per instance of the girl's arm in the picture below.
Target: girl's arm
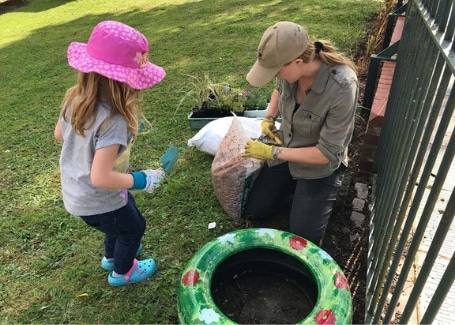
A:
(103, 175)
(58, 132)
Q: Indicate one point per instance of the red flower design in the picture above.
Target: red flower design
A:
(190, 278)
(298, 243)
(325, 317)
(340, 281)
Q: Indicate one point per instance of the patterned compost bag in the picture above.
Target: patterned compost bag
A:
(232, 174)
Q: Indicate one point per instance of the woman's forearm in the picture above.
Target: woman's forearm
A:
(273, 109)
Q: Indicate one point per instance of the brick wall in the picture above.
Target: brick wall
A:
(379, 105)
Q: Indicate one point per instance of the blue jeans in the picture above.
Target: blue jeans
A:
(123, 229)
(312, 199)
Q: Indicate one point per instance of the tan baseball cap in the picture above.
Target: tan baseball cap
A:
(279, 45)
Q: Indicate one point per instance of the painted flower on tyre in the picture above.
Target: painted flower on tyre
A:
(297, 243)
(209, 316)
(325, 256)
(262, 232)
(340, 281)
(190, 278)
(325, 317)
(227, 238)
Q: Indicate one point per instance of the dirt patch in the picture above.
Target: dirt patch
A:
(343, 240)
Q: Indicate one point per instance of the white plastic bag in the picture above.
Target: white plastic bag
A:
(208, 138)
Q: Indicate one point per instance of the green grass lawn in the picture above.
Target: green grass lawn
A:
(50, 261)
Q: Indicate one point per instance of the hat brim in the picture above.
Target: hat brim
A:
(140, 78)
(260, 76)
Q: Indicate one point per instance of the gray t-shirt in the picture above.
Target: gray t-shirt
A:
(80, 197)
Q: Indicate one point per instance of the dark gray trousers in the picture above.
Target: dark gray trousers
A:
(312, 199)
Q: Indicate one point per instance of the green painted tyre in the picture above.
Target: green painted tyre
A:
(196, 305)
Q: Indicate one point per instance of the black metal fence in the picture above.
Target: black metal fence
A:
(411, 262)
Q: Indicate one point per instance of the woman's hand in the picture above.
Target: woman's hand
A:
(268, 129)
(258, 150)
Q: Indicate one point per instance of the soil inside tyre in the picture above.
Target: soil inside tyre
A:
(263, 286)
(263, 299)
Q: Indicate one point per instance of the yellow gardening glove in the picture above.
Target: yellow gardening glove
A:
(258, 150)
(268, 128)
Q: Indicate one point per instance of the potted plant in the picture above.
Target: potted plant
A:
(257, 100)
(227, 98)
(211, 100)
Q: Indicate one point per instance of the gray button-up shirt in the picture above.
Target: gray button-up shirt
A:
(325, 118)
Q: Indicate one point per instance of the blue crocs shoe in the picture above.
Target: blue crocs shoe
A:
(140, 271)
(109, 265)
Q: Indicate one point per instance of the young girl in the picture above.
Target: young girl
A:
(316, 96)
(98, 124)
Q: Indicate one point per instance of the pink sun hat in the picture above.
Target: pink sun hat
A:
(116, 51)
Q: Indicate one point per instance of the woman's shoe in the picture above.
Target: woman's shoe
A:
(140, 271)
(108, 265)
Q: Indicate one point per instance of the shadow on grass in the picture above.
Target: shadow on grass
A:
(10, 5)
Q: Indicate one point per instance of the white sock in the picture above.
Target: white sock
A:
(116, 275)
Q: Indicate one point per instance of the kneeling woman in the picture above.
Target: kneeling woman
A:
(316, 95)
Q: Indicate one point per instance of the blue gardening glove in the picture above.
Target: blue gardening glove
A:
(258, 150)
(148, 180)
(169, 158)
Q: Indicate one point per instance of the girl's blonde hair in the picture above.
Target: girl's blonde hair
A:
(328, 54)
(90, 89)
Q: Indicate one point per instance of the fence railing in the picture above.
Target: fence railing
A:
(411, 262)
